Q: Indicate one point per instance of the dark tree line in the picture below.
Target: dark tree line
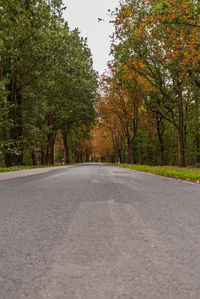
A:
(47, 82)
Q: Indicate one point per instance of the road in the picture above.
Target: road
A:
(95, 231)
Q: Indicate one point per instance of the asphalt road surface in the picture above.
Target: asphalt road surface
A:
(96, 231)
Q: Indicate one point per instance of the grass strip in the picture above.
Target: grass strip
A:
(188, 174)
(17, 168)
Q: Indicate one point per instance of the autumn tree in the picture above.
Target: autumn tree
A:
(120, 104)
(154, 36)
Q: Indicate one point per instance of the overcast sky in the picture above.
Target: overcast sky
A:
(84, 14)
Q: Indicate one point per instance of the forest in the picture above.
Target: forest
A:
(47, 85)
(145, 109)
(149, 101)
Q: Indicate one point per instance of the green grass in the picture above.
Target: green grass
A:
(17, 168)
(189, 174)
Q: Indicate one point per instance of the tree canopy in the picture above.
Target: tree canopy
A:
(155, 74)
(47, 82)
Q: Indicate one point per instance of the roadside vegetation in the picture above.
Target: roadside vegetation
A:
(149, 103)
(47, 85)
(17, 168)
(189, 174)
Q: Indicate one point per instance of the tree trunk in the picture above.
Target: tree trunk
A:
(181, 132)
(19, 130)
(77, 158)
(162, 159)
(46, 156)
(7, 157)
(149, 149)
(16, 131)
(123, 156)
(181, 149)
(119, 156)
(81, 156)
(197, 135)
(161, 143)
(7, 160)
(130, 155)
(49, 156)
(87, 155)
(34, 159)
(66, 147)
(77, 155)
(66, 150)
(198, 150)
(42, 157)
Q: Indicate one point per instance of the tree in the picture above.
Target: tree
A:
(48, 81)
(139, 36)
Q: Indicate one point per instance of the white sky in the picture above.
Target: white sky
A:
(84, 14)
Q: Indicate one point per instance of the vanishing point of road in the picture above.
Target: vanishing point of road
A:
(97, 231)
